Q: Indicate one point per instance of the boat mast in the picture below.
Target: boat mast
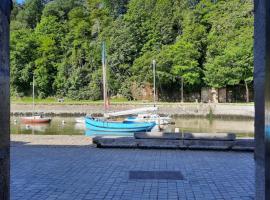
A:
(33, 96)
(104, 72)
(154, 80)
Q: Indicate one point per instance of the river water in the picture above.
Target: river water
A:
(68, 126)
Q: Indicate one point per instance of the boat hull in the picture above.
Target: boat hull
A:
(92, 133)
(31, 120)
(107, 126)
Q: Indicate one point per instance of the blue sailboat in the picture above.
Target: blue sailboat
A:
(96, 124)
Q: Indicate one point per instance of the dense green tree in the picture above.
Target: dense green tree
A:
(206, 42)
(229, 59)
(31, 12)
(48, 34)
(23, 47)
(117, 7)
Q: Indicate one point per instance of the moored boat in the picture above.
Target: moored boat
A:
(95, 124)
(80, 120)
(35, 119)
(149, 118)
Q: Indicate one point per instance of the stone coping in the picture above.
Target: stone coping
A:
(186, 136)
(184, 144)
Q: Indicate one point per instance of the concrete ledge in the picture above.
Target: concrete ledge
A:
(208, 144)
(117, 142)
(244, 144)
(130, 142)
(210, 136)
(160, 144)
(158, 135)
(186, 136)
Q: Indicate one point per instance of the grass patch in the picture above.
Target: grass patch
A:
(54, 100)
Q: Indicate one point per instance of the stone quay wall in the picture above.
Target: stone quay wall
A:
(177, 109)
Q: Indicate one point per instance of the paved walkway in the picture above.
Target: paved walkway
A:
(63, 173)
(49, 140)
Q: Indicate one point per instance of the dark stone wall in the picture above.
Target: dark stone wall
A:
(267, 101)
(5, 6)
(262, 97)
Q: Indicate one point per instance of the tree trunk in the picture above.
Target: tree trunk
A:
(247, 92)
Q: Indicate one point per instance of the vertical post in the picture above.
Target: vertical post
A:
(104, 72)
(33, 96)
(5, 7)
(154, 81)
(267, 100)
(182, 89)
(262, 97)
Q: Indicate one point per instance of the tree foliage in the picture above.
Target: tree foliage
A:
(206, 42)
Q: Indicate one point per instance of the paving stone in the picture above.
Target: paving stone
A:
(55, 173)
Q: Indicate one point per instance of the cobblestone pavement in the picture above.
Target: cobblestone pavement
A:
(63, 173)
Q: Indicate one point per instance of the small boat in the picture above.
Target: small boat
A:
(131, 112)
(146, 114)
(149, 118)
(96, 124)
(80, 120)
(35, 119)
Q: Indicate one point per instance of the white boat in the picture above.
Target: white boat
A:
(146, 114)
(150, 118)
(80, 120)
(131, 112)
(35, 118)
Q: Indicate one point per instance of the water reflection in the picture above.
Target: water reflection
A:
(103, 133)
(79, 126)
(35, 127)
(242, 127)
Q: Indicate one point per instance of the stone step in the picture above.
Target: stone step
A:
(186, 136)
(185, 144)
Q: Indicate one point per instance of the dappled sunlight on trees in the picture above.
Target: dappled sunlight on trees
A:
(207, 43)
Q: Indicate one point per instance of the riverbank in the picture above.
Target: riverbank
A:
(172, 109)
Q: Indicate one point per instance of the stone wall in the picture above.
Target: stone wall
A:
(179, 109)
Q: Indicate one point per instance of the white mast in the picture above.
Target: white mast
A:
(33, 96)
(154, 80)
(104, 72)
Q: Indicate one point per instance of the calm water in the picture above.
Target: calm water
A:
(243, 128)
